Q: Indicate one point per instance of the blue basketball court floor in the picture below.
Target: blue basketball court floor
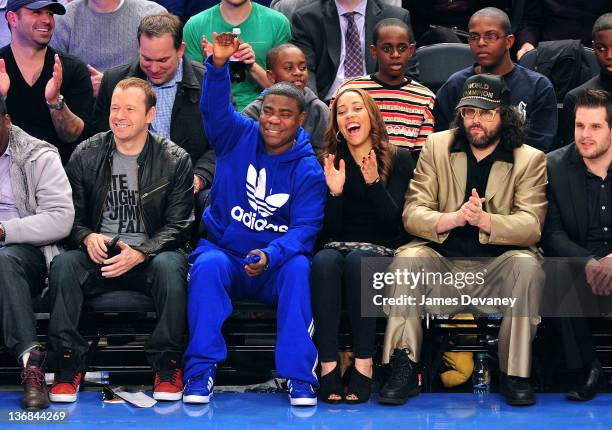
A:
(272, 411)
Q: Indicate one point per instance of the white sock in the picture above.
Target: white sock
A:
(25, 357)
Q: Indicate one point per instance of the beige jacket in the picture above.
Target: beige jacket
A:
(515, 194)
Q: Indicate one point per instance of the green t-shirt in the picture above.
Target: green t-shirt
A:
(263, 30)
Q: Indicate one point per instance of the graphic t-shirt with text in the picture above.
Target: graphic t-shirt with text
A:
(121, 213)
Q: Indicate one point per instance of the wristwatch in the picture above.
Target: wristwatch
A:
(59, 105)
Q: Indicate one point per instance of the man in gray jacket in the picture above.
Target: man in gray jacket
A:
(36, 211)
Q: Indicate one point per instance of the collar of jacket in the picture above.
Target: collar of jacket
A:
(373, 7)
(189, 77)
(109, 142)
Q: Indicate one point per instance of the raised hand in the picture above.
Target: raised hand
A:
(206, 47)
(5, 80)
(224, 46)
(369, 168)
(96, 79)
(52, 90)
(334, 178)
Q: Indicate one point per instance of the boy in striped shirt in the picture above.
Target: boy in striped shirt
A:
(405, 104)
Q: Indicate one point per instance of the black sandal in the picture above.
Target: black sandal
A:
(331, 384)
(360, 386)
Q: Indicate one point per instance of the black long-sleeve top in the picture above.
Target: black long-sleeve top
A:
(369, 213)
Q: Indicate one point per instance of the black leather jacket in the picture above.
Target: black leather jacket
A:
(165, 182)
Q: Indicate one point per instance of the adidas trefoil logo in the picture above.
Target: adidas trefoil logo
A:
(263, 205)
(256, 193)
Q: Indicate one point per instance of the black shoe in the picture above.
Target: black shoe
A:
(331, 385)
(515, 390)
(359, 387)
(35, 395)
(595, 382)
(403, 382)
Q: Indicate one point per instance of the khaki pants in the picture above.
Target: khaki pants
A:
(516, 274)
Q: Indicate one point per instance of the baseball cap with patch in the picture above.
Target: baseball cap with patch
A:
(53, 5)
(485, 91)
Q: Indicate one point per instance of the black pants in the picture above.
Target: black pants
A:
(331, 273)
(22, 275)
(73, 277)
(576, 341)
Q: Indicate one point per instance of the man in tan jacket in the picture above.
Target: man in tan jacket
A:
(476, 205)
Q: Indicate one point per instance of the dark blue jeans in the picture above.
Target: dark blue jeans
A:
(22, 275)
(73, 277)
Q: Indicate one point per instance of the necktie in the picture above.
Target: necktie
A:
(353, 57)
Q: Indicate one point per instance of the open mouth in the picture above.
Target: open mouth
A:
(353, 128)
(121, 126)
(298, 83)
(396, 67)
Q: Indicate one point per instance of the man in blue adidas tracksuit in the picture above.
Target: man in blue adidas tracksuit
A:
(267, 199)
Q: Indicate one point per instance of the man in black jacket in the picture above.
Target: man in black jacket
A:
(177, 83)
(579, 225)
(132, 185)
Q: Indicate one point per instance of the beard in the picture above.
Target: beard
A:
(595, 152)
(484, 140)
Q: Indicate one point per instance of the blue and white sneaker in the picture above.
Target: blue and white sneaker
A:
(301, 393)
(199, 388)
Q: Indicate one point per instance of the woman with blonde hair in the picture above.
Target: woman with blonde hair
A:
(367, 179)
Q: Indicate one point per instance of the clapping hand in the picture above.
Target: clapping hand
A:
(52, 90)
(472, 210)
(369, 168)
(334, 178)
(5, 80)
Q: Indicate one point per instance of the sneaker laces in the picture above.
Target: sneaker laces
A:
(33, 375)
(168, 375)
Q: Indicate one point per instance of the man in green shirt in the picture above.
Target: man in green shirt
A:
(260, 27)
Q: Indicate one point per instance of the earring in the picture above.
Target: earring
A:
(339, 136)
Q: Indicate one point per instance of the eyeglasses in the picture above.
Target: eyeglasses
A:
(488, 37)
(470, 113)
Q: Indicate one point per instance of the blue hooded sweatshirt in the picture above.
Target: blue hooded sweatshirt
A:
(258, 201)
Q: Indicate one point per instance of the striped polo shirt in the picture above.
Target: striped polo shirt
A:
(407, 109)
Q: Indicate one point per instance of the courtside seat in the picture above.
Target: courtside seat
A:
(436, 63)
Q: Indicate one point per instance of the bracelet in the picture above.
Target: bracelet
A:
(376, 181)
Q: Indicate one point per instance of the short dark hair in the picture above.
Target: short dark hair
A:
(513, 128)
(602, 23)
(159, 24)
(150, 97)
(273, 53)
(287, 89)
(495, 13)
(595, 98)
(391, 22)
